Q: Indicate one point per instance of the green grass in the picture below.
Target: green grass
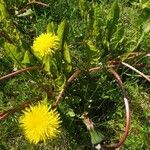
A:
(97, 32)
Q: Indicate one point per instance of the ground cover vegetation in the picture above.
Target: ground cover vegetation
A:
(69, 50)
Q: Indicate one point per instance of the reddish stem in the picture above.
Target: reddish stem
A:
(60, 96)
(17, 72)
(127, 109)
(5, 114)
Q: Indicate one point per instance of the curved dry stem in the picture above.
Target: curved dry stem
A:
(4, 115)
(72, 77)
(137, 71)
(60, 96)
(38, 3)
(127, 109)
(136, 54)
(17, 72)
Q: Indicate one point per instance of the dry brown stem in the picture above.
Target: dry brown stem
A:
(60, 96)
(137, 71)
(5, 114)
(17, 72)
(38, 3)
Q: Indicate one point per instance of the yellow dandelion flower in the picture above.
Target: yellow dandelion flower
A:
(45, 44)
(40, 123)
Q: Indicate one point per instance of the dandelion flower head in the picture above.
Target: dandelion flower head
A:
(40, 123)
(45, 44)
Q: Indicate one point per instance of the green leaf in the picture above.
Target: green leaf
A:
(12, 51)
(91, 46)
(83, 8)
(67, 58)
(92, 52)
(112, 19)
(50, 65)
(146, 29)
(96, 136)
(47, 63)
(66, 51)
(45, 99)
(26, 59)
(12, 43)
(146, 5)
(114, 13)
(62, 32)
(146, 26)
(117, 38)
(68, 68)
(51, 27)
(3, 12)
(99, 23)
(60, 81)
(71, 113)
(54, 67)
